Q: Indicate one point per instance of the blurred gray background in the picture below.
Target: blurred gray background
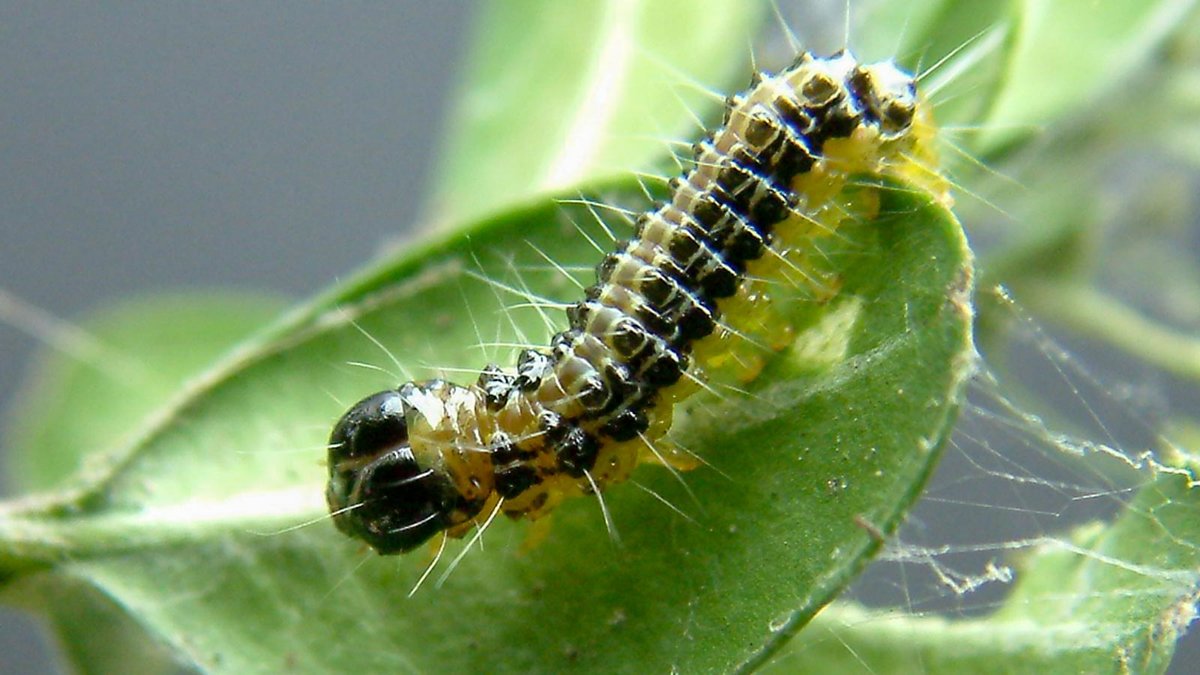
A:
(149, 146)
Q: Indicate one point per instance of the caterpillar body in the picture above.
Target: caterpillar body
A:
(687, 298)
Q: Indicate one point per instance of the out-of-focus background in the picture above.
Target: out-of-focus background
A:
(152, 146)
(264, 147)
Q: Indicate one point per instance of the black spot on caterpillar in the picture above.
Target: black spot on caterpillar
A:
(687, 298)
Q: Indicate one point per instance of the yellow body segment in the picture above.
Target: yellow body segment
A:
(692, 298)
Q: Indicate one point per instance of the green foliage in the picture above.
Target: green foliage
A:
(1107, 597)
(236, 458)
(167, 502)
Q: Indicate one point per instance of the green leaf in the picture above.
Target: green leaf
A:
(95, 635)
(128, 360)
(874, 36)
(1177, 134)
(1107, 232)
(134, 356)
(563, 94)
(1109, 598)
(958, 49)
(826, 452)
(1066, 56)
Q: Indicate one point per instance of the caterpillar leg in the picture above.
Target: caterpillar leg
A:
(740, 262)
(665, 453)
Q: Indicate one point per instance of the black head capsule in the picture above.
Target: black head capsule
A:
(384, 489)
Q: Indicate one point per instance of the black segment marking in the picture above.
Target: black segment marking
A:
(432, 457)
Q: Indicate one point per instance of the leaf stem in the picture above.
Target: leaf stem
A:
(30, 541)
(1103, 316)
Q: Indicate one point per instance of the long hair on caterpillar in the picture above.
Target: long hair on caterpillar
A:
(688, 298)
(784, 442)
(823, 450)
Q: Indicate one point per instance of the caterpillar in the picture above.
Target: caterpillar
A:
(688, 298)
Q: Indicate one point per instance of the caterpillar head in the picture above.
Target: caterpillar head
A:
(398, 474)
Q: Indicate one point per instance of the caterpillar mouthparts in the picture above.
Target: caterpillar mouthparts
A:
(687, 298)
